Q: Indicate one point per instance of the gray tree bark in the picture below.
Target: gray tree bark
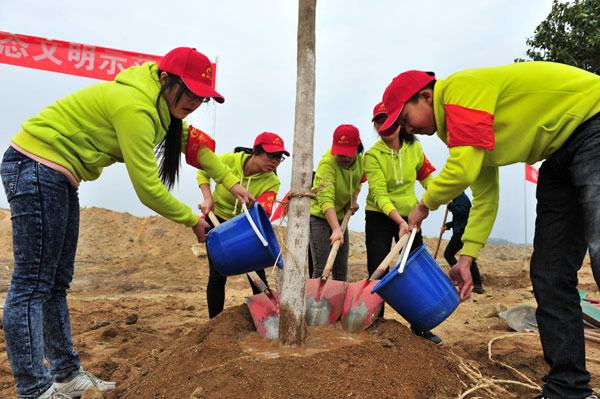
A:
(292, 323)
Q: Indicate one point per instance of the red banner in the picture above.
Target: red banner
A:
(70, 58)
(531, 174)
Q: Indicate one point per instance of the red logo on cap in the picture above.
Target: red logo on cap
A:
(208, 73)
(343, 140)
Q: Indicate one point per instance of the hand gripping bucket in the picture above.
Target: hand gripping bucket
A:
(422, 294)
(235, 248)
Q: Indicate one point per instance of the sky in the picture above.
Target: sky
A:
(360, 47)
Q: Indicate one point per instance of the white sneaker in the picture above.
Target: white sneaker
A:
(82, 381)
(52, 393)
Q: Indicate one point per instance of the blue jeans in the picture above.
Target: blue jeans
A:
(567, 225)
(45, 224)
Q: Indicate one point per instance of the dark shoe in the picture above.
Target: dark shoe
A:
(478, 289)
(427, 335)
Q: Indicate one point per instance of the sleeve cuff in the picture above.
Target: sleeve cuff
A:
(428, 203)
(471, 249)
(327, 205)
(192, 221)
(388, 208)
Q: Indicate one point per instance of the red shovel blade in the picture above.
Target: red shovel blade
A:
(360, 306)
(324, 302)
(264, 309)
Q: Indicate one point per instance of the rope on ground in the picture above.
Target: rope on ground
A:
(530, 383)
(490, 385)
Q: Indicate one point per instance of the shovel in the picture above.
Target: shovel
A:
(361, 307)
(325, 297)
(264, 307)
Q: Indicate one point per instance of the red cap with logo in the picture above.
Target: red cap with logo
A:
(194, 68)
(270, 142)
(346, 139)
(379, 110)
(402, 88)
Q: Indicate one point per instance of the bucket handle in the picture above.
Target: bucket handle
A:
(260, 236)
(406, 250)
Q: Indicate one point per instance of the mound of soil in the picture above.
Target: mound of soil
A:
(139, 317)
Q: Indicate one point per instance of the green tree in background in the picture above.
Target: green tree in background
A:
(570, 35)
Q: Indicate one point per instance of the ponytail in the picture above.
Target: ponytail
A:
(168, 151)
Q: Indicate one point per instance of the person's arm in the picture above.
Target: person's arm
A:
(354, 202)
(334, 224)
(136, 132)
(395, 216)
(378, 185)
(325, 181)
(425, 171)
(209, 203)
(483, 212)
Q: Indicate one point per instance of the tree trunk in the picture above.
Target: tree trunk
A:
(292, 324)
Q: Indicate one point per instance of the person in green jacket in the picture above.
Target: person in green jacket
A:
(256, 168)
(338, 179)
(392, 167)
(524, 112)
(70, 141)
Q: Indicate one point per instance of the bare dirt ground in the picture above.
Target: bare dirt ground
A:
(139, 317)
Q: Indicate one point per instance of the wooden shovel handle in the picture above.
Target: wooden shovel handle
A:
(441, 232)
(256, 280)
(334, 249)
(213, 218)
(389, 257)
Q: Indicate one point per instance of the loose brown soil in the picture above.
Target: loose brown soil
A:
(139, 317)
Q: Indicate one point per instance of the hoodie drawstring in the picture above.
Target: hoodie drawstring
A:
(236, 200)
(401, 181)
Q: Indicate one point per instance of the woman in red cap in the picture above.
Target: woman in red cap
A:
(256, 168)
(392, 167)
(72, 140)
(338, 179)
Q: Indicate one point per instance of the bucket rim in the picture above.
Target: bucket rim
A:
(273, 244)
(394, 272)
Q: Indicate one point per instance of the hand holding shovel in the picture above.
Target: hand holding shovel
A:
(361, 307)
(325, 297)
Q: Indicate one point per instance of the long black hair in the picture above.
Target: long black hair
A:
(168, 151)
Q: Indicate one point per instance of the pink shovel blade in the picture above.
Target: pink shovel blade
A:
(265, 313)
(360, 306)
(324, 302)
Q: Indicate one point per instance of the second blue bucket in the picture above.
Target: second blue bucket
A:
(422, 293)
(235, 248)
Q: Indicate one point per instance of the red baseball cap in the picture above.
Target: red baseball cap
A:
(402, 88)
(379, 110)
(270, 142)
(194, 68)
(346, 139)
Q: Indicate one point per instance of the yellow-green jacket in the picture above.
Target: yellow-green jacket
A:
(497, 116)
(392, 176)
(339, 185)
(112, 122)
(263, 186)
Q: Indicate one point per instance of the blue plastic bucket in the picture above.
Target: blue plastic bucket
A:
(235, 248)
(422, 294)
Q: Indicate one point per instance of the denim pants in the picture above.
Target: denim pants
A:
(320, 247)
(215, 289)
(45, 224)
(380, 230)
(567, 224)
